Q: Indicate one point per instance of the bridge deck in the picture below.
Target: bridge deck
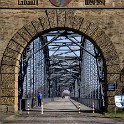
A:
(62, 111)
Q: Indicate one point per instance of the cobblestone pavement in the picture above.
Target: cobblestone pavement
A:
(61, 112)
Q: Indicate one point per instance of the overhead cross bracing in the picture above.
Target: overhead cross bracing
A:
(61, 60)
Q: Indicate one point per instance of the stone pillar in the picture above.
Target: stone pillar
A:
(8, 89)
(113, 77)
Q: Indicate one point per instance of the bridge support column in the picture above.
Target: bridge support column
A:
(8, 104)
(113, 79)
(9, 92)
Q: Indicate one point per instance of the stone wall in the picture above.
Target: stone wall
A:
(110, 21)
(72, 4)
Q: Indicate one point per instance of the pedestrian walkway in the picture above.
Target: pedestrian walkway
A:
(62, 111)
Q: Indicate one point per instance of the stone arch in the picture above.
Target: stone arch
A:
(52, 19)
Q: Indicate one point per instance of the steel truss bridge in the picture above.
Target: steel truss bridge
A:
(62, 60)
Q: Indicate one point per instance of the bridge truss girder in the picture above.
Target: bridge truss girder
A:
(57, 60)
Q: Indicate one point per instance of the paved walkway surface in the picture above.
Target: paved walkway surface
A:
(62, 111)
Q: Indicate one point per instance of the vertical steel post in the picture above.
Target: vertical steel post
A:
(33, 78)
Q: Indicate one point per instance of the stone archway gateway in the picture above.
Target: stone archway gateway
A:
(53, 19)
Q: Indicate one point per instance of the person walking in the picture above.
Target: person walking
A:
(39, 96)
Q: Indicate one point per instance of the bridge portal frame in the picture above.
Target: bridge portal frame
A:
(55, 19)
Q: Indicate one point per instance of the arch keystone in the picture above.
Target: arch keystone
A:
(61, 18)
(52, 18)
(69, 18)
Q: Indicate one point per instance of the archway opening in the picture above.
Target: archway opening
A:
(61, 60)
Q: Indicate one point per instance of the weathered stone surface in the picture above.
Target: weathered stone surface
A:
(8, 108)
(31, 30)
(8, 92)
(113, 69)
(77, 21)
(84, 26)
(111, 108)
(15, 46)
(52, 17)
(73, 4)
(9, 77)
(7, 100)
(12, 108)
(3, 108)
(111, 101)
(9, 85)
(61, 18)
(25, 34)
(37, 25)
(119, 85)
(118, 91)
(110, 93)
(111, 78)
(103, 26)
(8, 69)
(17, 38)
(11, 53)
(45, 22)
(9, 61)
(91, 29)
(97, 34)
(69, 18)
